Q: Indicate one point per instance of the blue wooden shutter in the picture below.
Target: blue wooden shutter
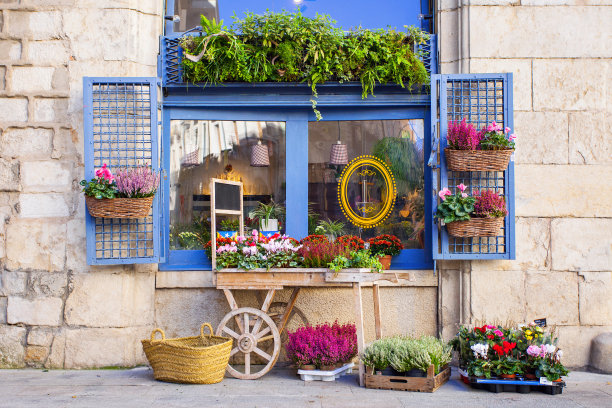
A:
(480, 99)
(121, 130)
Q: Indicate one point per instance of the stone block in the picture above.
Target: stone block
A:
(65, 144)
(541, 32)
(575, 341)
(562, 191)
(13, 110)
(449, 303)
(45, 311)
(43, 205)
(40, 336)
(521, 70)
(76, 248)
(26, 142)
(13, 283)
(31, 244)
(449, 33)
(9, 175)
(595, 298)
(61, 79)
(10, 50)
(34, 25)
(601, 350)
(3, 78)
(111, 299)
(3, 310)
(542, 137)
(498, 296)
(57, 351)
(36, 355)
(46, 176)
(50, 110)
(12, 352)
(87, 348)
(552, 295)
(31, 79)
(581, 244)
(590, 138)
(47, 283)
(47, 52)
(555, 84)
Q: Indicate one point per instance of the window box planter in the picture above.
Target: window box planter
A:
(119, 207)
(476, 227)
(477, 160)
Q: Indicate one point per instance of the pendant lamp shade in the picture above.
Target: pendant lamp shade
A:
(339, 154)
(259, 155)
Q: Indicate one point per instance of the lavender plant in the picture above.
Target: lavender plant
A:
(136, 182)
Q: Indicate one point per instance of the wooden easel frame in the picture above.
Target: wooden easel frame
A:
(214, 212)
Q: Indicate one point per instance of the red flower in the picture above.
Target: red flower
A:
(491, 336)
(498, 349)
(508, 346)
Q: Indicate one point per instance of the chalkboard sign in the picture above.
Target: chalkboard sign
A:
(227, 196)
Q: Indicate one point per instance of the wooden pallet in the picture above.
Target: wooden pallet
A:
(419, 384)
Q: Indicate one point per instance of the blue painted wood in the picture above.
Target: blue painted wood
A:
(120, 129)
(296, 164)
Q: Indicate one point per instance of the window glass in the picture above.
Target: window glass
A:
(365, 13)
(201, 150)
(397, 143)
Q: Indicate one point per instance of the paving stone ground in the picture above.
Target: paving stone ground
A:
(280, 388)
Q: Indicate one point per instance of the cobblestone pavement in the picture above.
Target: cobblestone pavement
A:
(281, 388)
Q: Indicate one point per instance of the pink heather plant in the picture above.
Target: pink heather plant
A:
(322, 345)
(136, 182)
(463, 136)
(489, 205)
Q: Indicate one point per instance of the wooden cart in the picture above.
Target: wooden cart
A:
(257, 333)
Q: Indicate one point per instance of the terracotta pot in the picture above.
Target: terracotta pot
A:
(558, 380)
(308, 367)
(530, 376)
(508, 376)
(385, 261)
(328, 367)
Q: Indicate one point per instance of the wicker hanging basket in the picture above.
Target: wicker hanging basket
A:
(119, 207)
(476, 227)
(195, 360)
(477, 160)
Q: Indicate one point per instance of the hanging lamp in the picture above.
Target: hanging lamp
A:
(260, 156)
(339, 151)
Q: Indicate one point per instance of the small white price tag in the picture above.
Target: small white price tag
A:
(545, 381)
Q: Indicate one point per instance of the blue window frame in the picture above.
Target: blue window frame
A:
(290, 103)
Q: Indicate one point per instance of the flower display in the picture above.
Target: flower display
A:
(455, 207)
(463, 136)
(136, 182)
(489, 204)
(352, 242)
(385, 244)
(105, 173)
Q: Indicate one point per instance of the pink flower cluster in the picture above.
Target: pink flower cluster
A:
(495, 127)
(136, 182)
(463, 136)
(446, 192)
(231, 247)
(105, 173)
(542, 351)
(489, 204)
(322, 345)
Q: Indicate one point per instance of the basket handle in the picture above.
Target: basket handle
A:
(210, 329)
(160, 331)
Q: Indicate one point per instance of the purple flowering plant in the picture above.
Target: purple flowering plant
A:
(463, 136)
(489, 204)
(322, 345)
(136, 182)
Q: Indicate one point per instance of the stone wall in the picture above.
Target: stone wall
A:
(54, 310)
(560, 54)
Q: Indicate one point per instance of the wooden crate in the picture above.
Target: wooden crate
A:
(420, 384)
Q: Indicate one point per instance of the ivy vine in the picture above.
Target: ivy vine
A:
(289, 47)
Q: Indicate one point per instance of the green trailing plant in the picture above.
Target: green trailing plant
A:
(290, 47)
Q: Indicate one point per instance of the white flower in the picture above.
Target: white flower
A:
(480, 350)
(559, 353)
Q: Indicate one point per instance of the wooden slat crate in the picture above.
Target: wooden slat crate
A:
(420, 384)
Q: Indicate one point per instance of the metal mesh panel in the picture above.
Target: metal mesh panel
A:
(121, 131)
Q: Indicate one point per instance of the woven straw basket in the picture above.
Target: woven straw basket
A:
(119, 207)
(475, 227)
(477, 160)
(197, 360)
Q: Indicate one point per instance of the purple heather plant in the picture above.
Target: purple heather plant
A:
(489, 205)
(463, 136)
(322, 345)
(136, 182)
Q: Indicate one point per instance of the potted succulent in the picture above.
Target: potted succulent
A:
(468, 149)
(228, 228)
(269, 216)
(480, 215)
(385, 247)
(127, 194)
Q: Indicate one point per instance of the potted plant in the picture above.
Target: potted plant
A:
(385, 247)
(468, 149)
(480, 215)
(269, 216)
(228, 228)
(332, 229)
(127, 194)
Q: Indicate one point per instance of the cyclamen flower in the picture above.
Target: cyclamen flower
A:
(105, 173)
(499, 333)
(461, 187)
(480, 350)
(512, 137)
(464, 195)
(507, 130)
(547, 349)
(444, 192)
(533, 350)
(249, 250)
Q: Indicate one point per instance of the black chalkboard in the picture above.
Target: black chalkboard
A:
(227, 196)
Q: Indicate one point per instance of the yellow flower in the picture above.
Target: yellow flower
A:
(538, 329)
(528, 332)
(529, 337)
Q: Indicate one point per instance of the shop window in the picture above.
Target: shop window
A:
(205, 149)
(367, 205)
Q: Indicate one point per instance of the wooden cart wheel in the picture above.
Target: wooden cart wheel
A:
(254, 327)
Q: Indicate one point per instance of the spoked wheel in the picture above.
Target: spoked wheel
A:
(251, 329)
